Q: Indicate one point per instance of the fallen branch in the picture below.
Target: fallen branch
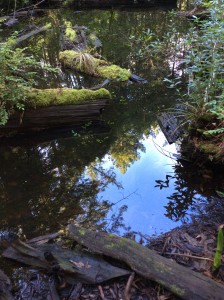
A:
(182, 281)
(30, 34)
(128, 286)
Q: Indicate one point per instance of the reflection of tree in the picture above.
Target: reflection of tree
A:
(133, 119)
(125, 151)
(43, 187)
(192, 186)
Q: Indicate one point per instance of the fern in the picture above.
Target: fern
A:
(214, 131)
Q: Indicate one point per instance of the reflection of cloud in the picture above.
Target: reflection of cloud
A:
(107, 162)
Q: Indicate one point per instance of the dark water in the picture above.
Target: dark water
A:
(104, 175)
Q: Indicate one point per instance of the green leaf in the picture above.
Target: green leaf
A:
(219, 249)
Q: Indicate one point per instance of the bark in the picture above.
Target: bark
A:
(182, 281)
(55, 116)
(72, 265)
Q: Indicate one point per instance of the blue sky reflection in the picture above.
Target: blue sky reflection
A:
(145, 202)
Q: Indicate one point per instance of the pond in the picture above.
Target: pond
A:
(118, 174)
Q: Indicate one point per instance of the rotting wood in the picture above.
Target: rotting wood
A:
(73, 265)
(170, 126)
(55, 116)
(181, 281)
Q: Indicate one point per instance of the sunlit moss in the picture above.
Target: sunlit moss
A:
(70, 33)
(86, 63)
(47, 97)
(114, 72)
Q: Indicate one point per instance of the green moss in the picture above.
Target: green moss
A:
(64, 96)
(82, 231)
(177, 291)
(110, 246)
(80, 61)
(70, 33)
(85, 62)
(114, 72)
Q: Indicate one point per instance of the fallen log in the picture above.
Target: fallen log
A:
(74, 265)
(88, 64)
(55, 108)
(181, 281)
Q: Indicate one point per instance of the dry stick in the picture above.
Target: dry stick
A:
(187, 255)
(113, 294)
(101, 292)
(128, 286)
(165, 244)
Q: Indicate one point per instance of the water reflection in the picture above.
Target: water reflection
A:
(146, 212)
(193, 188)
(101, 177)
(43, 186)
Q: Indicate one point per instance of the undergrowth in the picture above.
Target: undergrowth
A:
(18, 74)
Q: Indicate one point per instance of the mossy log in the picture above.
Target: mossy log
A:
(64, 96)
(86, 63)
(55, 108)
(182, 281)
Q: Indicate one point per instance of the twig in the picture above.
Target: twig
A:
(165, 244)
(101, 292)
(187, 255)
(128, 286)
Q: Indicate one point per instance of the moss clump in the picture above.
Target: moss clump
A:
(88, 64)
(80, 61)
(114, 72)
(64, 96)
(70, 33)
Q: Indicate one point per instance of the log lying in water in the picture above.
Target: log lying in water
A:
(56, 116)
(86, 63)
(55, 108)
(183, 282)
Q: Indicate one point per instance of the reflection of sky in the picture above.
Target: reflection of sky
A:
(145, 202)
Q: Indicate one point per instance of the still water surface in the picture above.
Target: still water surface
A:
(104, 175)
